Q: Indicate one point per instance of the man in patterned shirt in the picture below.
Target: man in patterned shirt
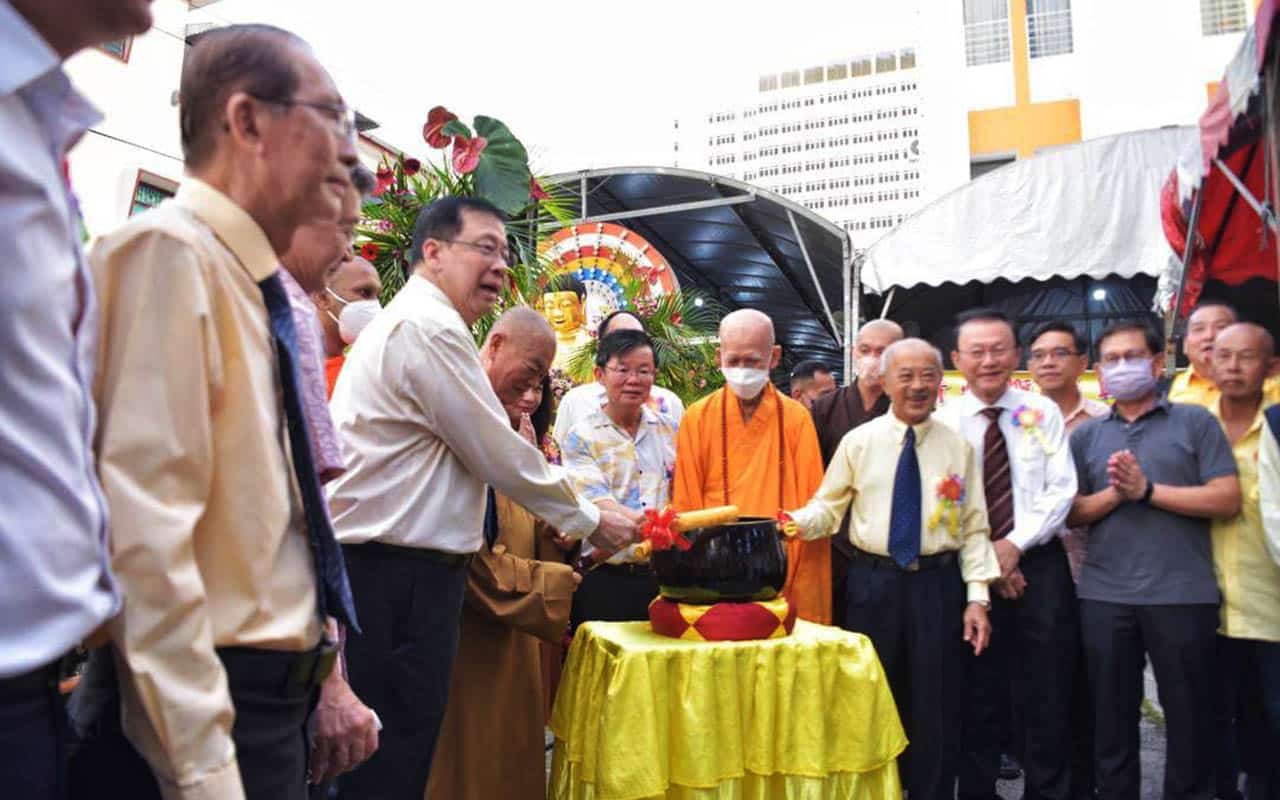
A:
(621, 457)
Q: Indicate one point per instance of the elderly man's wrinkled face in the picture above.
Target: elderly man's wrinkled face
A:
(912, 383)
(1202, 328)
(987, 355)
(1242, 360)
(516, 368)
(471, 268)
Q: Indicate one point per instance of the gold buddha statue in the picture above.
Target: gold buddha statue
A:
(562, 306)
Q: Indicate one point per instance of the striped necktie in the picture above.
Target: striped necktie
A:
(997, 477)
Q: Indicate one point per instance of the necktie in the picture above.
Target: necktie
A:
(333, 591)
(904, 516)
(997, 479)
(490, 518)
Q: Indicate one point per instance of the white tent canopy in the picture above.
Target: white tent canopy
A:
(1088, 209)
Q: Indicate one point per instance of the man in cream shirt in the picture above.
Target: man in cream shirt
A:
(922, 557)
(422, 433)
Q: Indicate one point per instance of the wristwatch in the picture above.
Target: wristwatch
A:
(1146, 496)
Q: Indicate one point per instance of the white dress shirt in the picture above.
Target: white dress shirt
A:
(422, 433)
(582, 401)
(55, 584)
(1043, 474)
(1269, 488)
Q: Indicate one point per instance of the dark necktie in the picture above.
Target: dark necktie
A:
(997, 479)
(333, 592)
(490, 518)
(904, 517)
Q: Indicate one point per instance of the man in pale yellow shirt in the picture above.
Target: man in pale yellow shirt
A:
(1195, 384)
(1248, 576)
(202, 447)
(922, 556)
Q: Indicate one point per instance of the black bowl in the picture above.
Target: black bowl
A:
(742, 561)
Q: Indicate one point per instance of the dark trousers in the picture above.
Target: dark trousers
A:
(1179, 640)
(1253, 667)
(840, 561)
(613, 594)
(33, 736)
(1083, 782)
(1226, 763)
(1032, 654)
(269, 732)
(409, 608)
(914, 619)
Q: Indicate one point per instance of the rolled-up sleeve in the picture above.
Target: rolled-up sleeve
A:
(441, 374)
(157, 380)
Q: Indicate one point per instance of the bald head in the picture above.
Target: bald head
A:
(517, 354)
(746, 340)
(1243, 358)
(872, 340)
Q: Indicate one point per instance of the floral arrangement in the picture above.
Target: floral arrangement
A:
(950, 495)
(1031, 420)
(486, 160)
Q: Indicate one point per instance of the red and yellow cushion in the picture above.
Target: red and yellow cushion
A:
(766, 619)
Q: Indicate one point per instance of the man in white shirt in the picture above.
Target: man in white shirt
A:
(622, 456)
(55, 584)
(582, 401)
(1029, 482)
(422, 433)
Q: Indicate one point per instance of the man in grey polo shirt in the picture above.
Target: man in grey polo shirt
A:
(1151, 475)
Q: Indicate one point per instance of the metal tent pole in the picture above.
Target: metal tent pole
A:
(813, 273)
(1171, 352)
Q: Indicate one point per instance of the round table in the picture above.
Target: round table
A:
(640, 715)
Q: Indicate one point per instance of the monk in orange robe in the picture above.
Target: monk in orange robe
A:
(748, 445)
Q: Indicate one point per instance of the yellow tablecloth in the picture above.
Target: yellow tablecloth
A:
(804, 717)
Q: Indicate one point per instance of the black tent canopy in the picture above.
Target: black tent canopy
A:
(743, 245)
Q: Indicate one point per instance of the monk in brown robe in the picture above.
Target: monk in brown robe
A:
(492, 741)
(748, 445)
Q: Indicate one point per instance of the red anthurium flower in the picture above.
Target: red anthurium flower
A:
(536, 191)
(437, 118)
(369, 251)
(466, 153)
(412, 166)
(386, 179)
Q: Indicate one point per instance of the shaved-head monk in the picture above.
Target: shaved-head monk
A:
(748, 445)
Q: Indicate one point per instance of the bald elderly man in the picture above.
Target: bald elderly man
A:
(1248, 575)
(746, 444)
(922, 557)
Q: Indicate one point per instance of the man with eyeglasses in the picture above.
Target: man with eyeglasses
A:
(422, 434)
(219, 536)
(621, 456)
(1248, 572)
(1151, 474)
(1028, 482)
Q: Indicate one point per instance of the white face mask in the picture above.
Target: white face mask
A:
(355, 316)
(745, 382)
(869, 369)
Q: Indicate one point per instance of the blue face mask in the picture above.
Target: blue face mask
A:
(1129, 380)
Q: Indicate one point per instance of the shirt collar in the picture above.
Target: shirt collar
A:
(421, 286)
(1162, 405)
(899, 427)
(648, 420)
(27, 55)
(970, 405)
(1258, 418)
(232, 225)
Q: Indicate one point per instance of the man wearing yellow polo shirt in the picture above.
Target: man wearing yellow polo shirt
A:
(1248, 575)
(1195, 384)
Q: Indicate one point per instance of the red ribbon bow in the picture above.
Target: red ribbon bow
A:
(657, 530)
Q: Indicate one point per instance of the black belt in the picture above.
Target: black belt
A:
(31, 684)
(278, 670)
(628, 568)
(419, 553)
(922, 563)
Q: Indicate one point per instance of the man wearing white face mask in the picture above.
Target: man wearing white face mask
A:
(747, 445)
(348, 302)
(1151, 474)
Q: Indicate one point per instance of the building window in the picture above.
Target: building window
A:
(860, 68)
(907, 58)
(813, 75)
(1222, 16)
(791, 79)
(768, 83)
(986, 31)
(118, 48)
(149, 190)
(886, 62)
(1048, 27)
(837, 72)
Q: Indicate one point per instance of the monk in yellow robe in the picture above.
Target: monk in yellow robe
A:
(748, 445)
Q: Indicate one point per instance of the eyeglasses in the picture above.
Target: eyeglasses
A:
(341, 118)
(1058, 353)
(643, 373)
(1130, 356)
(487, 249)
(980, 354)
